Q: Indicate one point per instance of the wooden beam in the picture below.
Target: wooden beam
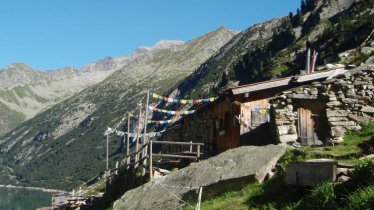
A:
(175, 156)
(177, 143)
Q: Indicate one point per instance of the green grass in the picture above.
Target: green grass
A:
(279, 69)
(231, 200)
(352, 147)
(274, 194)
(361, 199)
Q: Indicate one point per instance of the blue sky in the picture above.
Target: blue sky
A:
(51, 34)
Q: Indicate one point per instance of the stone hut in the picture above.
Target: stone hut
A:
(320, 113)
(240, 117)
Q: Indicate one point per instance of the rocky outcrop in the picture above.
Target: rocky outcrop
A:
(227, 171)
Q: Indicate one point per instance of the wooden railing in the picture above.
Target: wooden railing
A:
(191, 155)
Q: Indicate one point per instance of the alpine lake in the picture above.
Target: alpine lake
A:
(23, 199)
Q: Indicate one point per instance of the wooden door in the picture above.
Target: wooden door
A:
(312, 122)
(306, 125)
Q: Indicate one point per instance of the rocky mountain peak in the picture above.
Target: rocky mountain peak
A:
(167, 43)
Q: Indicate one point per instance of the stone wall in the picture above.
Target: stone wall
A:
(348, 98)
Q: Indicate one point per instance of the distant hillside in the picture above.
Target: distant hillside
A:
(64, 146)
(277, 47)
(25, 91)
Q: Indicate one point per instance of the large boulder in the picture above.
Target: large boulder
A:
(228, 171)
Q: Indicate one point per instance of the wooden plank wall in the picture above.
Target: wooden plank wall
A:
(245, 113)
(227, 129)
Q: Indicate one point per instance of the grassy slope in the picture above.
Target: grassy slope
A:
(283, 54)
(273, 194)
(40, 157)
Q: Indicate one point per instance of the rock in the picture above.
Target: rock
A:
(292, 129)
(357, 118)
(229, 170)
(311, 172)
(343, 123)
(368, 109)
(341, 172)
(288, 138)
(334, 119)
(367, 157)
(370, 60)
(367, 50)
(336, 113)
(333, 103)
(283, 129)
(343, 178)
(349, 100)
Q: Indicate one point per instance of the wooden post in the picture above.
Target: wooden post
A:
(128, 142)
(198, 152)
(191, 146)
(137, 137)
(146, 119)
(199, 198)
(150, 161)
(145, 149)
(107, 153)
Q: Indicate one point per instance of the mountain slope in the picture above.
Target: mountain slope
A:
(278, 47)
(64, 145)
(25, 91)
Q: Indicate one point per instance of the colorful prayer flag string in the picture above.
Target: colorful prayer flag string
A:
(152, 108)
(161, 122)
(132, 135)
(183, 101)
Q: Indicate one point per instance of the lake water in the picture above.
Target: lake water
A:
(23, 199)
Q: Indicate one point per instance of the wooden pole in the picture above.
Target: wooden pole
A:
(146, 119)
(198, 152)
(128, 142)
(191, 146)
(199, 199)
(107, 152)
(150, 161)
(137, 136)
(145, 151)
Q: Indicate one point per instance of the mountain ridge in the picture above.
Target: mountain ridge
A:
(73, 129)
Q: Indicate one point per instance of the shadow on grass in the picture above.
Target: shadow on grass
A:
(277, 195)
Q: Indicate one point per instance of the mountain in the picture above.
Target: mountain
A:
(277, 47)
(64, 145)
(25, 91)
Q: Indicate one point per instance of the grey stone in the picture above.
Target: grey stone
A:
(288, 138)
(370, 60)
(334, 103)
(311, 172)
(229, 170)
(342, 171)
(367, 50)
(367, 157)
(368, 109)
(283, 129)
(337, 131)
(349, 100)
(343, 123)
(337, 113)
(343, 178)
(357, 118)
(335, 119)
